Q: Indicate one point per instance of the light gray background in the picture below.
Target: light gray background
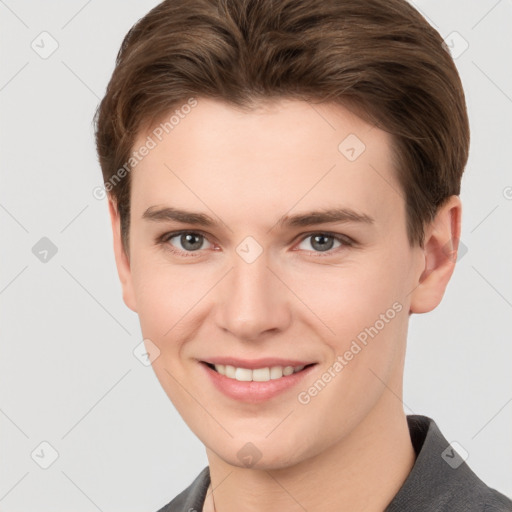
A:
(67, 372)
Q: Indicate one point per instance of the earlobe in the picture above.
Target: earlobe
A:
(440, 255)
(122, 261)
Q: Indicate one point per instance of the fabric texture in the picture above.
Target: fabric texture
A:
(440, 481)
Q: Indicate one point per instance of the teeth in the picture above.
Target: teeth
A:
(258, 374)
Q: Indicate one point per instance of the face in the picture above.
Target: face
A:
(296, 253)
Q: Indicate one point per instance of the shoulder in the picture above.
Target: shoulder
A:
(192, 498)
(496, 502)
(481, 499)
(440, 479)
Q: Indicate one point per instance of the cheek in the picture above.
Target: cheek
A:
(364, 320)
(351, 297)
(169, 297)
(169, 302)
(366, 350)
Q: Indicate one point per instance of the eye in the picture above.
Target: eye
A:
(324, 242)
(185, 241)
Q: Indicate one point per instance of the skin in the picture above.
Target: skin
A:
(349, 447)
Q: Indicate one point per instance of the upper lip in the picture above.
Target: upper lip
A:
(265, 362)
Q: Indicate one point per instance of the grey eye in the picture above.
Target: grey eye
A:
(189, 241)
(320, 242)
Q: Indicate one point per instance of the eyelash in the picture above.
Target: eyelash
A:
(166, 237)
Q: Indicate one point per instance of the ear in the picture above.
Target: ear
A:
(440, 254)
(122, 260)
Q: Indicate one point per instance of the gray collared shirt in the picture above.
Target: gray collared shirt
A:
(439, 481)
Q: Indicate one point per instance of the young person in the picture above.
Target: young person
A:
(283, 182)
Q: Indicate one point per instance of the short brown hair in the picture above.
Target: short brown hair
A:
(380, 57)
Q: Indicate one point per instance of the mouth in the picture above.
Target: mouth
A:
(259, 383)
(262, 374)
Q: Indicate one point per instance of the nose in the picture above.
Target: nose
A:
(253, 301)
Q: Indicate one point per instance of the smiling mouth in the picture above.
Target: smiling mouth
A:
(257, 374)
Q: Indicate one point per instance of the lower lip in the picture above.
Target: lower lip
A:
(253, 391)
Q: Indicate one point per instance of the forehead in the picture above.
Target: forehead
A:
(282, 154)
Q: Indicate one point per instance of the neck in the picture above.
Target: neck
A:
(362, 471)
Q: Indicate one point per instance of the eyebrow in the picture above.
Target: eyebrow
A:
(311, 218)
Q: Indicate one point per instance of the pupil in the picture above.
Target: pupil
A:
(322, 246)
(187, 241)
